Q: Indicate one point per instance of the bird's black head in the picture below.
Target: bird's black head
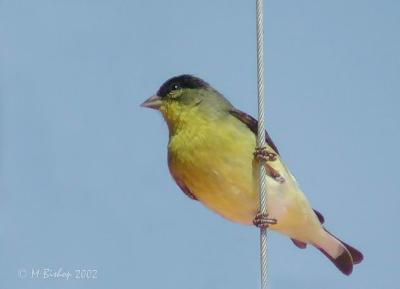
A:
(184, 90)
(180, 82)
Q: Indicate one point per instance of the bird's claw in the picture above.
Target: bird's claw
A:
(263, 154)
(262, 221)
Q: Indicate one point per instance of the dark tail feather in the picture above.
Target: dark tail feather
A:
(341, 254)
(355, 254)
(343, 262)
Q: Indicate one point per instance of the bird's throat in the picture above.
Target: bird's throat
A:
(178, 116)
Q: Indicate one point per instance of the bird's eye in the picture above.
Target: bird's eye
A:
(175, 86)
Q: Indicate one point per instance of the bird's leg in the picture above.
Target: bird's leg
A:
(274, 174)
(267, 156)
(262, 221)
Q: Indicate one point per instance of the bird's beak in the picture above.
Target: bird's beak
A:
(153, 102)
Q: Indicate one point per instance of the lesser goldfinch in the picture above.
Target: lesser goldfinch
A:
(211, 158)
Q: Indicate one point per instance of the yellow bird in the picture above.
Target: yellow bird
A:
(211, 158)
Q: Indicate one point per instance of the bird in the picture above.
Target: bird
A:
(212, 157)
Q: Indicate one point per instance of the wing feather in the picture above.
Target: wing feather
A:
(252, 124)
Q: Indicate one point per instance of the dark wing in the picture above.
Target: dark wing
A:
(252, 124)
(186, 190)
(319, 216)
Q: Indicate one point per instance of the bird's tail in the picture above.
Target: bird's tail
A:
(341, 254)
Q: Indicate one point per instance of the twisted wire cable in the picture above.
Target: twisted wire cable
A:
(261, 139)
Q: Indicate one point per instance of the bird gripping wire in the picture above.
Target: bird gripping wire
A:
(261, 138)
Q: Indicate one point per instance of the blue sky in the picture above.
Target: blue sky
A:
(84, 182)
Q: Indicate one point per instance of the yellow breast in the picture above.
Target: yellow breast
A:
(214, 160)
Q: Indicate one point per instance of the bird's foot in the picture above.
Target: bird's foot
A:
(265, 155)
(262, 221)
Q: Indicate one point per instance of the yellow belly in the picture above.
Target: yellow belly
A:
(216, 164)
(217, 169)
